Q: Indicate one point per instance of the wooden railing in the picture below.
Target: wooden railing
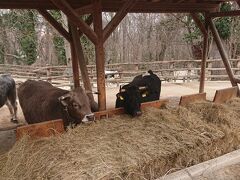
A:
(170, 71)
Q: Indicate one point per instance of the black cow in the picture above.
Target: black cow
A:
(8, 95)
(40, 101)
(141, 89)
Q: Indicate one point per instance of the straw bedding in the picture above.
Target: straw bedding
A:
(158, 142)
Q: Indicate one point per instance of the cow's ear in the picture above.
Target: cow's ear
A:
(145, 93)
(120, 96)
(64, 99)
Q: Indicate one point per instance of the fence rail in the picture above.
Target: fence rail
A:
(170, 71)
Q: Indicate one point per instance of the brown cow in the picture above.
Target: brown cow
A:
(40, 101)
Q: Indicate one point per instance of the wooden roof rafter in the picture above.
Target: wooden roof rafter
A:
(111, 26)
(73, 16)
(142, 6)
(55, 24)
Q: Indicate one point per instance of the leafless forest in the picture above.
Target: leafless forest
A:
(26, 38)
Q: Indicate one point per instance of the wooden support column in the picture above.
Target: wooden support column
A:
(99, 50)
(74, 61)
(204, 60)
(222, 52)
(205, 31)
(83, 67)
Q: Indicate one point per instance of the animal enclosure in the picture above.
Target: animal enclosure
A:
(169, 71)
(158, 142)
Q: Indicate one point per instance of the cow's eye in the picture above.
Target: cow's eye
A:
(76, 106)
(121, 98)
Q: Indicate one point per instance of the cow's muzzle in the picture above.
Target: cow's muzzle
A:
(137, 113)
(88, 117)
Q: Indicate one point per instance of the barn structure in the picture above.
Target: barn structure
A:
(74, 9)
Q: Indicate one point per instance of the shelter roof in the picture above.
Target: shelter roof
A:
(142, 6)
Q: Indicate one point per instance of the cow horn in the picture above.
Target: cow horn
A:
(122, 90)
(142, 88)
(92, 92)
(64, 96)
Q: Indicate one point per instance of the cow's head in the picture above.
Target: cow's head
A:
(77, 105)
(130, 100)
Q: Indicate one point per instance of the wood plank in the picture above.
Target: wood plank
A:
(114, 6)
(43, 129)
(222, 95)
(118, 111)
(224, 14)
(184, 100)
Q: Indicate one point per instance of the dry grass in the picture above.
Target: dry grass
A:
(160, 141)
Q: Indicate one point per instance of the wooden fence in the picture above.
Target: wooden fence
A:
(170, 71)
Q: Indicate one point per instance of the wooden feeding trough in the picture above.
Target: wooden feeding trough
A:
(43, 129)
(49, 128)
(117, 111)
(223, 95)
(184, 100)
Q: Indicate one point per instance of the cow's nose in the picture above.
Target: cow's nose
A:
(90, 117)
(138, 113)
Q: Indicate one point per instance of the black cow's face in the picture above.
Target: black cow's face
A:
(131, 100)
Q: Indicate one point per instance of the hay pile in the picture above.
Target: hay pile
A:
(158, 142)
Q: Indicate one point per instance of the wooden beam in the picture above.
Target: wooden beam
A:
(111, 26)
(99, 50)
(163, 7)
(55, 24)
(118, 111)
(74, 60)
(88, 21)
(81, 61)
(43, 129)
(199, 23)
(187, 99)
(204, 57)
(114, 6)
(224, 14)
(222, 52)
(222, 95)
(88, 9)
(64, 6)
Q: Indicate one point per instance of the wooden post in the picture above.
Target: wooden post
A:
(49, 79)
(74, 62)
(209, 66)
(204, 57)
(222, 52)
(189, 67)
(99, 50)
(81, 60)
